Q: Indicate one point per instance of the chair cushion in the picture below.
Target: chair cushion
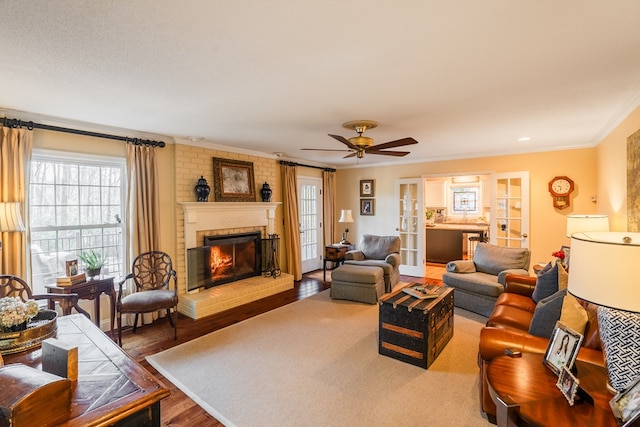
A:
(146, 301)
(378, 247)
(493, 259)
(573, 314)
(547, 283)
(547, 314)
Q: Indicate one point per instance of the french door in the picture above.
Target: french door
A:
(410, 228)
(510, 210)
(310, 211)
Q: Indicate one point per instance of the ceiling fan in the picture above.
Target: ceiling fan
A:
(359, 145)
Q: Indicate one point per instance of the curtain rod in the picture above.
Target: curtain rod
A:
(285, 162)
(15, 123)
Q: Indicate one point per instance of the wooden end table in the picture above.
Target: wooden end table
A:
(112, 388)
(525, 393)
(334, 253)
(89, 290)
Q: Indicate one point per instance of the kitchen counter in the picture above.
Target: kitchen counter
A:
(449, 242)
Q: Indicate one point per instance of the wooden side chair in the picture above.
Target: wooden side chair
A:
(152, 273)
(14, 286)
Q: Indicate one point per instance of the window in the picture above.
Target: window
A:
(465, 200)
(76, 203)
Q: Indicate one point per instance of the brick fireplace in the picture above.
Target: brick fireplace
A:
(227, 218)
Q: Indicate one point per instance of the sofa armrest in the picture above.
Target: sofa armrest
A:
(520, 284)
(393, 259)
(461, 266)
(517, 271)
(355, 255)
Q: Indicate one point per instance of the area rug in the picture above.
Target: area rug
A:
(316, 363)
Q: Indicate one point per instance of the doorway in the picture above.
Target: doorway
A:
(310, 210)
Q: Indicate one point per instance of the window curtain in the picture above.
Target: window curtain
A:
(142, 208)
(292, 221)
(329, 205)
(16, 146)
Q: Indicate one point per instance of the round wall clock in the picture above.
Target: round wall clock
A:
(561, 188)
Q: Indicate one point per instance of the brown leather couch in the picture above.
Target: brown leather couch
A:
(508, 327)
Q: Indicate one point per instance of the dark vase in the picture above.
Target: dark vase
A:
(202, 189)
(266, 192)
(93, 272)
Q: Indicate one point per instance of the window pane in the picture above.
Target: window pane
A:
(66, 174)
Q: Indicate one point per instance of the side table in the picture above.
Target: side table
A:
(525, 393)
(89, 290)
(334, 253)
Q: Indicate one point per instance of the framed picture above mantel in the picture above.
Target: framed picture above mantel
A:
(233, 181)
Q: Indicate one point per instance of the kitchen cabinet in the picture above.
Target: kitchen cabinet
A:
(434, 194)
(450, 242)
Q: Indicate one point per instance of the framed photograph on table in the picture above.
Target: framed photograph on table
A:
(567, 252)
(563, 348)
(71, 267)
(233, 181)
(367, 188)
(568, 385)
(626, 405)
(367, 206)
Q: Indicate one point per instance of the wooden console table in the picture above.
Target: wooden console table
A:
(334, 253)
(525, 393)
(89, 290)
(112, 389)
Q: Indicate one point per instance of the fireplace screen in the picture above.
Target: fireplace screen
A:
(224, 259)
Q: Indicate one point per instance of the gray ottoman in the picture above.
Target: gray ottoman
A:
(357, 283)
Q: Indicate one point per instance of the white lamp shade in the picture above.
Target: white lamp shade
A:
(10, 217)
(581, 223)
(345, 216)
(604, 269)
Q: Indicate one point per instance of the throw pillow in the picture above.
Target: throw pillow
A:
(546, 315)
(461, 266)
(573, 314)
(546, 284)
(563, 278)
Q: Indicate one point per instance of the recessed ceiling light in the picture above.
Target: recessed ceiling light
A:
(524, 139)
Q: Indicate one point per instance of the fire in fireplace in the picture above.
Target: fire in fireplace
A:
(224, 259)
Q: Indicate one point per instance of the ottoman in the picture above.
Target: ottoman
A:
(361, 283)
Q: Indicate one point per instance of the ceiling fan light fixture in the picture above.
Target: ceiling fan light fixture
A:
(361, 141)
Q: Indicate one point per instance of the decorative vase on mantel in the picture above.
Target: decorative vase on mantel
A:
(202, 189)
(266, 192)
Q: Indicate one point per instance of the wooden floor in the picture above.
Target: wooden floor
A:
(178, 409)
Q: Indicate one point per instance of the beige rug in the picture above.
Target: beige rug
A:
(316, 363)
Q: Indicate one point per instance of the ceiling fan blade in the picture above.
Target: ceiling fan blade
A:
(323, 149)
(350, 155)
(344, 140)
(389, 153)
(393, 144)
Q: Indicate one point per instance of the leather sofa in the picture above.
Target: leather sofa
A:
(508, 326)
(378, 251)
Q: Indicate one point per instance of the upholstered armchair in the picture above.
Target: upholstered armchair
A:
(379, 251)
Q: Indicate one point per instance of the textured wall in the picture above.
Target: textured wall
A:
(633, 189)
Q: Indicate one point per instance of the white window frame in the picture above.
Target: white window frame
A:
(55, 258)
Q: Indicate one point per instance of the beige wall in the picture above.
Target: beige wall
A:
(547, 226)
(612, 172)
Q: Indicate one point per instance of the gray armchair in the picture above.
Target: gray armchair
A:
(379, 251)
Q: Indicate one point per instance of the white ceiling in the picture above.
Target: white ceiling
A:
(466, 78)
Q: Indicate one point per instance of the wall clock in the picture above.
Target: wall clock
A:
(561, 188)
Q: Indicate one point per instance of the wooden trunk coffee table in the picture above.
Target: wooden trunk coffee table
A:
(413, 330)
(525, 393)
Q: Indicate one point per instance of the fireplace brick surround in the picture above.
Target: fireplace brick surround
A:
(220, 218)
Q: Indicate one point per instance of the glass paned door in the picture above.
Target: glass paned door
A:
(409, 199)
(510, 208)
(310, 210)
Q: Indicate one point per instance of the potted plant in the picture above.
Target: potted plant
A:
(429, 216)
(93, 262)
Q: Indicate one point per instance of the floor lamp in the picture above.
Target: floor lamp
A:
(10, 220)
(604, 271)
(347, 218)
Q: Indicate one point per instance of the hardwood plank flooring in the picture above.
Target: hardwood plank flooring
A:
(178, 409)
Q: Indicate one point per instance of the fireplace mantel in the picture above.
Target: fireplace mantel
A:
(199, 216)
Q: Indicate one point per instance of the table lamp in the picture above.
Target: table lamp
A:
(345, 217)
(580, 223)
(10, 220)
(604, 272)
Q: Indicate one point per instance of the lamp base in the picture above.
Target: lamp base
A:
(620, 333)
(345, 242)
